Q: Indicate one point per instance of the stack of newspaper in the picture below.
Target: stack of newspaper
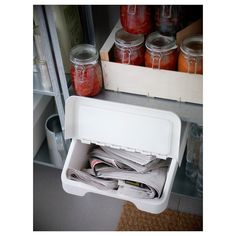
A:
(129, 173)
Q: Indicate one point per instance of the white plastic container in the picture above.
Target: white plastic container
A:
(122, 126)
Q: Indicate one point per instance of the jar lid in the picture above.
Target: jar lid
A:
(159, 43)
(192, 45)
(83, 54)
(125, 39)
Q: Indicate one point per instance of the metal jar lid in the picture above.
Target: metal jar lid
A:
(157, 42)
(192, 46)
(125, 39)
(83, 54)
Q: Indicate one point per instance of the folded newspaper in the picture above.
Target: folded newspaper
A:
(128, 173)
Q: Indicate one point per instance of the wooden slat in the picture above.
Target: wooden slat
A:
(193, 29)
(165, 84)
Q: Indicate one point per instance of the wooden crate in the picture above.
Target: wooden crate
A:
(141, 80)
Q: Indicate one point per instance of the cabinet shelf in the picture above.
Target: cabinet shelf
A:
(39, 89)
(42, 157)
(187, 112)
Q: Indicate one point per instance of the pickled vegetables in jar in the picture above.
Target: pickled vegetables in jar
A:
(191, 55)
(136, 19)
(129, 48)
(85, 70)
(161, 52)
(168, 19)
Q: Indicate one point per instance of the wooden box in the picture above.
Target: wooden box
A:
(141, 80)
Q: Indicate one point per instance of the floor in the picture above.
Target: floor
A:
(57, 210)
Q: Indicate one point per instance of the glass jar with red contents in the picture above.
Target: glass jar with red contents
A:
(191, 55)
(168, 19)
(161, 52)
(85, 70)
(136, 19)
(129, 48)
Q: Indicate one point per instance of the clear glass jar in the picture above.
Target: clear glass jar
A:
(191, 55)
(194, 152)
(43, 78)
(168, 19)
(40, 64)
(161, 52)
(199, 181)
(129, 48)
(136, 19)
(85, 70)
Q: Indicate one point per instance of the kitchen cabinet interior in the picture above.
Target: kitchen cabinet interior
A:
(100, 28)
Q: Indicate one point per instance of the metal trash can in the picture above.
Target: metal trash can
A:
(56, 142)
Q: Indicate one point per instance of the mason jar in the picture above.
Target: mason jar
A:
(161, 51)
(136, 19)
(168, 19)
(129, 48)
(85, 70)
(191, 55)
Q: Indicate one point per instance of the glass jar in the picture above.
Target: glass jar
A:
(85, 70)
(191, 55)
(199, 181)
(168, 19)
(136, 19)
(193, 155)
(42, 74)
(161, 52)
(42, 77)
(129, 48)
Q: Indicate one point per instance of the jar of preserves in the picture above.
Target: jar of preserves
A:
(191, 55)
(168, 19)
(129, 48)
(85, 70)
(161, 52)
(136, 19)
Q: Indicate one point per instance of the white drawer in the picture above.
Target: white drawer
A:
(77, 159)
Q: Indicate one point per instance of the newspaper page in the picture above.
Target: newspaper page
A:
(112, 170)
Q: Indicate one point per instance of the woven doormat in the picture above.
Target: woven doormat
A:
(133, 219)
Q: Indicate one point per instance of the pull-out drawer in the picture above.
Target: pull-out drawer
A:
(77, 158)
